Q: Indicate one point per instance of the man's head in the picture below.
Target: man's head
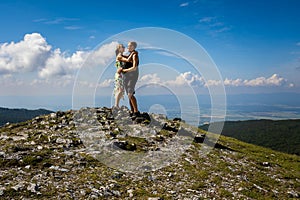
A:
(131, 46)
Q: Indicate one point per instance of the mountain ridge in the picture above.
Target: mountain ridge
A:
(15, 115)
(280, 135)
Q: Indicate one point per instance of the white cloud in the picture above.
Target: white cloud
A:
(24, 56)
(195, 80)
(106, 83)
(206, 19)
(34, 54)
(236, 82)
(223, 29)
(184, 4)
(274, 80)
(298, 44)
(9, 80)
(102, 55)
(191, 79)
(183, 79)
(72, 27)
(188, 79)
(214, 25)
(40, 20)
(59, 64)
(150, 79)
(59, 20)
(67, 81)
(217, 24)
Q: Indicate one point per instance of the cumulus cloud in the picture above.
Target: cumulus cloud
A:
(102, 55)
(194, 80)
(25, 56)
(236, 82)
(59, 64)
(187, 78)
(34, 54)
(150, 79)
(274, 80)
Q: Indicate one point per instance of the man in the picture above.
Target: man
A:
(131, 74)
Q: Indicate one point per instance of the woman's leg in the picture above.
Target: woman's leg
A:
(118, 98)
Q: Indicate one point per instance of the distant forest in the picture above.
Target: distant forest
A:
(280, 135)
(19, 115)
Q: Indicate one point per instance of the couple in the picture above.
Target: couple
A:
(127, 76)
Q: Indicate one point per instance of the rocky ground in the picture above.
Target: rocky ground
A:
(99, 153)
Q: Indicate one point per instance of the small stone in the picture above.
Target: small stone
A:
(39, 147)
(2, 189)
(125, 145)
(172, 192)
(199, 138)
(63, 170)
(130, 192)
(266, 164)
(18, 187)
(27, 167)
(116, 193)
(82, 192)
(32, 187)
(61, 141)
(293, 194)
(2, 154)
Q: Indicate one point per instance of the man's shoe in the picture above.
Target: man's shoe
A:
(135, 115)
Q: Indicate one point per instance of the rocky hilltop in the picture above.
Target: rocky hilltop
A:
(100, 153)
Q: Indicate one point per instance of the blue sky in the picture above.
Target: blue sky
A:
(255, 44)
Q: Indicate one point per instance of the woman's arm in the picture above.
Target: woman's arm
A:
(124, 59)
(134, 64)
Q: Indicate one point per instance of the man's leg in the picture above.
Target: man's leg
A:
(131, 106)
(133, 103)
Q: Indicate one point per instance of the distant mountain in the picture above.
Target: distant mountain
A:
(280, 135)
(19, 115)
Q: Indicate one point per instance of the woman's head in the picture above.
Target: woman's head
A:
(131, 46)
(120, 49)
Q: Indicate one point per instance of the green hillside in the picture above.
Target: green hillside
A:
(280, 135)
(44, 158)
(19, 115)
